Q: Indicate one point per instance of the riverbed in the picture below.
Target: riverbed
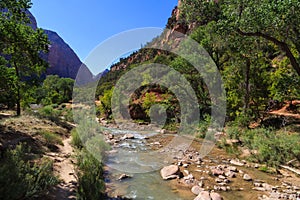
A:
(141, 154)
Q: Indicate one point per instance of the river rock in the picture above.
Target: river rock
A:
(232, 169)
(128, 136)
(230, 174)
(259, 189)
(185, 165)
(247, 177)
(237, 163)
(196, 190)
(170, 172)
(123, 176)
(217, 172)
(186, 172)
(267, 186)
(204, 195)
(216, 196)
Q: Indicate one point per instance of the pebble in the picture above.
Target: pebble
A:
(247, 177)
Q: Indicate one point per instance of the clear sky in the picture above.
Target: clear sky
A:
(85, 24)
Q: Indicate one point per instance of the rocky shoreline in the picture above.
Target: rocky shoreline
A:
(219, 176)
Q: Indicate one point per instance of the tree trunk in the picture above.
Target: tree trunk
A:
(284, 47)
(18, 103)
(247, 86)
(18, 90)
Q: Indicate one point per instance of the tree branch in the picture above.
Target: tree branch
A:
(284, 47)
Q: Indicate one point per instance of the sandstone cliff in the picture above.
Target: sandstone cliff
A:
(62, 59)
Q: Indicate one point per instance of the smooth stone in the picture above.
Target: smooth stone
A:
(216, 196)
(169, 172)
(230, 174)
(196, 190)
(259, 189)
(217, 172)
(246, 177)
(127, 136)
(232, 168)
(124, 176)
(204, 195)
(237, 163)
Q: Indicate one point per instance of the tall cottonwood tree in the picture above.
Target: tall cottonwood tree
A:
(21, 46)
(243, 37)
(276, 21)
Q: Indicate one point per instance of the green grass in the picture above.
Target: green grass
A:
(51, 138)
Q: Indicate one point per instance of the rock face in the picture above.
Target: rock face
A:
(170, 172)
(32, 19)
(62, 59)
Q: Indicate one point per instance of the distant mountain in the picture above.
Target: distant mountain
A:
(100, 75)
(62, 59)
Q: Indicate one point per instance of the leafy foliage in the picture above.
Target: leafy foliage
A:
(21, 179)
(91, 185)
(273, 148)
(21, 46)
(55, 90)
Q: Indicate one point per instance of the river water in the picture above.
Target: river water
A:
(134, 158)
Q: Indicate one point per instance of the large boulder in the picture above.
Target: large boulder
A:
(204, 195)
(196, 189)
(170, 172)
(216, 196)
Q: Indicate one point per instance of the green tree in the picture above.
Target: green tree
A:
(55, 90)
(105, 100)
(22, 46)
(7, 80)
(275, 21)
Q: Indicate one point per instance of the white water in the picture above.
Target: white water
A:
(133, 158)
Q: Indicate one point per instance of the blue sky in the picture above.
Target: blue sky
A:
(85, 24)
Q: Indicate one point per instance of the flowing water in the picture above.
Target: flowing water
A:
(133, 158)
(136, 158)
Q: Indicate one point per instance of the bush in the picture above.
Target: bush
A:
(68, 115)
(21, 179)
(243, 120)
(234, 132)
(50, 113)
(91, 184)
(51, 138)
(229, 148)
(203, 126)
(76, 140)
(273, 148)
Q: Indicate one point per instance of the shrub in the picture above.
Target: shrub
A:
(21, 179)
(229, 148)
(273, 148)
(76, 140)
(91, 184)
(68, 115)
(51, 138)
(203, 126)
(234, 132)
(50, 113)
